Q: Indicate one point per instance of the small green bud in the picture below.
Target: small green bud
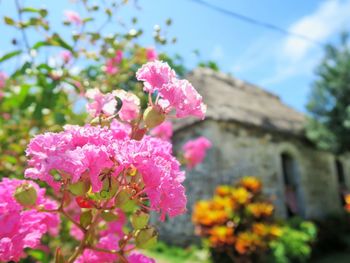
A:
(26, 195)
(146, 237)
(153, 117)
(139, 220)
(86, 218)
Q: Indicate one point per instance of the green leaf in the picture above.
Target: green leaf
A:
(39, 255)
(10, 55)
(58, 41)
(9, 21)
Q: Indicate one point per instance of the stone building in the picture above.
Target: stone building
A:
(254, 133)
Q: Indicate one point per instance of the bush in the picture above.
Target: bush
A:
(239, 226)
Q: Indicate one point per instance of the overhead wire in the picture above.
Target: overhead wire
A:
(257, 22)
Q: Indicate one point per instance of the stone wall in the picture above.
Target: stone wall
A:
(240, 150)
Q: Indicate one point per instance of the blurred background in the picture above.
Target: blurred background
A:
(275, 76)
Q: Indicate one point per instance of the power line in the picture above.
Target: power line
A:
(257, 22)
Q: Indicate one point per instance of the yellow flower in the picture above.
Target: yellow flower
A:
(261, 209)
(221, 235)
(248, 242)
(240, 195)
(223, 190)
(204, 213)
(251, 183)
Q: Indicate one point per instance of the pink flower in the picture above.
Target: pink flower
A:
(109, 242)
(66, 56)
(184, 99)
(151, 54)
(90, 152)
(111, 68)
(139, 258)
(131, 105)
(195, 151)
(174, 94)
(73, 17)
(3, 78)
(112, 63)
(118, 57)
(23, 228)
(155, 75)
(163, 131)
(101, 104)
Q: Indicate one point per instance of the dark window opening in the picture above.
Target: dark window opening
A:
(289, 170)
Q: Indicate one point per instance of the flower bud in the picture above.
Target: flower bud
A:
(153, 117)
(139, 220)
(26, 195)
(146, 237)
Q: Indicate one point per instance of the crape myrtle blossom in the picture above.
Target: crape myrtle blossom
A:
(66, 56)
(163, 131)
(195, 151)
(22, 228)
(139, 258)
(111, 66)
(101, 103)
(130, 105)
(73, 17)
(3, 78)
(173, 93)
(106, 104)
(151, 54)
(90, 152)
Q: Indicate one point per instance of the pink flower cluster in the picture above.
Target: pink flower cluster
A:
(23, 228)
(3, 78)
(88, 152)
(106, 104)
(175, 94)
(73, 17)
(151, 54)
(112, 63)
(163, 131)
(195, 151)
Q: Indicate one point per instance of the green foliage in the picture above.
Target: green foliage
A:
(173, 254)
(329, 101)
(294, 245)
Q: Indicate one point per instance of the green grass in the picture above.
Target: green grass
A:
(163, 253)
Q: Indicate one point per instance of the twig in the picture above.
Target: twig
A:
(24, 36)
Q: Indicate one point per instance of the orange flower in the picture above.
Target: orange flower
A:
(204, 214)
(266, 231)
(251, 183)
(259, 210)
(247, 243)
(221, 235)
(223, 190)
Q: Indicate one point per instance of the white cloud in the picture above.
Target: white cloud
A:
(297, 57)
(330, 18)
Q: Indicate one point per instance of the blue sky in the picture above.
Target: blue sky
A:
(279, 63)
